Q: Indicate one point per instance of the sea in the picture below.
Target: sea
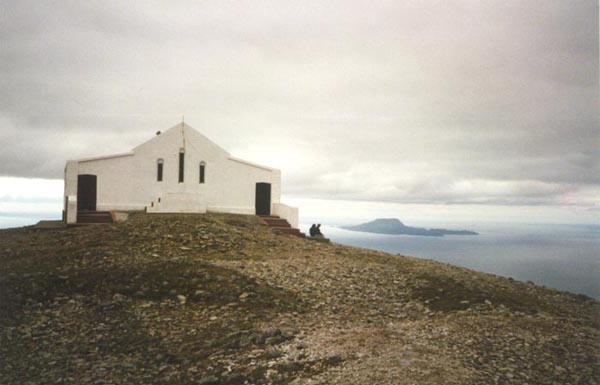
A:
(563, 257)
(11, 220)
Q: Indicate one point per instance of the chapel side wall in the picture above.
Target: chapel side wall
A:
(275, 186)
(236, 187)
(118, 186)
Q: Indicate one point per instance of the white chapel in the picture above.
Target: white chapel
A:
(177, 171)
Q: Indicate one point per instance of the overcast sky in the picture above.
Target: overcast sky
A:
(449, 102)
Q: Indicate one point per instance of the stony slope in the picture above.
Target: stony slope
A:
(219, 299)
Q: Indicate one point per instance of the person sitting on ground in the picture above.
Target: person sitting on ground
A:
(318, 232)
(312, 230)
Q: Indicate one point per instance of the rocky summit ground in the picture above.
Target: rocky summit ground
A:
(220, 299)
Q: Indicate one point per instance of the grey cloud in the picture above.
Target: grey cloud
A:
(399, 101)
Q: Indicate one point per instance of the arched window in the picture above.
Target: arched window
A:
(202, 170)
(181, 164)
(159, 170)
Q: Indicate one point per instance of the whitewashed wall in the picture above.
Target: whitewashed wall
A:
(288, 212)
(129, 181)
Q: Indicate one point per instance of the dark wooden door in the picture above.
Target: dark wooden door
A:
(263, 199)
(86, 192)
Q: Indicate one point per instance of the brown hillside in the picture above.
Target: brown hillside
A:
(219, 299)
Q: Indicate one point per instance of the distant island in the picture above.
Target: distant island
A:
(394, 226)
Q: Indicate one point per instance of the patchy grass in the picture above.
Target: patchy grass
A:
(445, 294)
(464, 288)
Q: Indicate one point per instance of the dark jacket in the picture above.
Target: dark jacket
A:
(318, 230)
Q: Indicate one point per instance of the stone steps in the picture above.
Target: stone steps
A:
(93, 217)
(280, 225)
(276, 222)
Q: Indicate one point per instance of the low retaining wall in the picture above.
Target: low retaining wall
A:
(286, 212)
